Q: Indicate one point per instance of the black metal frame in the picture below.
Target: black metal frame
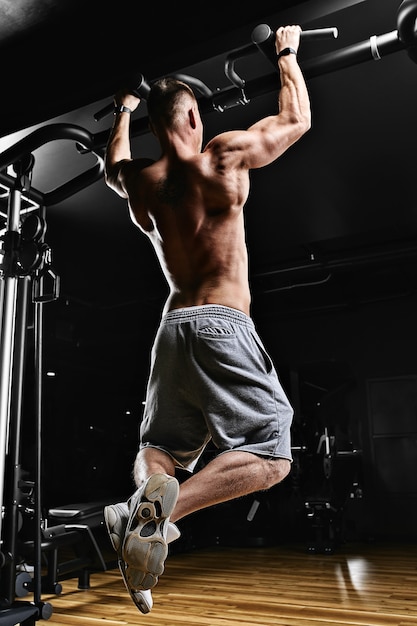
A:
(17, 285)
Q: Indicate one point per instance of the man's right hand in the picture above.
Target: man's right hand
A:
(287, 37)
(126, 98)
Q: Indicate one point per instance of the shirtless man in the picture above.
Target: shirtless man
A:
(211, 379)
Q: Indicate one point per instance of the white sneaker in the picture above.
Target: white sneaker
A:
(140, 532)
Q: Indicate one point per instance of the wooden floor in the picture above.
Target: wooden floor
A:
(358, 584)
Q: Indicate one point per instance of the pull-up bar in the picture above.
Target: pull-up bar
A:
(140, 87)
(372, 49)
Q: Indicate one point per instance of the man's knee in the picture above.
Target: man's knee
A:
(278, 469)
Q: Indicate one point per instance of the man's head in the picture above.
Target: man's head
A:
(168, 103)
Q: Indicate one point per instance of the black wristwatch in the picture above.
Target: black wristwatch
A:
(121, 109)
(286, 51)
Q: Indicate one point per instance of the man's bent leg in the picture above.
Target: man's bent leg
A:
(140, 529)
(145, 544)
(116, 518)
(151, 461)
(230, 475)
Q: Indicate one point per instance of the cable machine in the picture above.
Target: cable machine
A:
(27, 278)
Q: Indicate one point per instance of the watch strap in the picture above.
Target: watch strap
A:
(121, 109)
(286, 52)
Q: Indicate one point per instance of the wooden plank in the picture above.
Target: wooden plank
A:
(362, 585)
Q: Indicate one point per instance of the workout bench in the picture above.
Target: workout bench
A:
(69, 546)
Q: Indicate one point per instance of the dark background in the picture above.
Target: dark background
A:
(331, 230)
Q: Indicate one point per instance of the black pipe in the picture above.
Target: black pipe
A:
(66, 190)
(406, 21)
(263, 39)
(371, 49)
(80, 182)
(195, 83)
(13, 469)
(38, 386)
(46, 134)
(361, 52)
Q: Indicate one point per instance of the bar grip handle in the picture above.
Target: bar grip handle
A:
(319, 33)
(264, 34)
(264, 39)
(138, 87)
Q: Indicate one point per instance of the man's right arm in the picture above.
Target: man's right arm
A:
(118, 152)
(277, 133)
(270, 137)
(293, 100)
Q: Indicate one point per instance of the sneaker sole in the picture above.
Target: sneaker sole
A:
(142, 599)
(116, 530)
(145, 548)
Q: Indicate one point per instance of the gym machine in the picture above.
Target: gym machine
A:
(27, 278)
(26, 270)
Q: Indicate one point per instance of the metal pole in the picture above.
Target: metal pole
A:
(7, 332)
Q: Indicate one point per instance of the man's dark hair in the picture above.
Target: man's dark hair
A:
(163, 99)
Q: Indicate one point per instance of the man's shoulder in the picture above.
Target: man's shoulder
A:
(223, 140)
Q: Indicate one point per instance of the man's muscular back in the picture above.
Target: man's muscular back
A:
(190, 202)
(192, 210)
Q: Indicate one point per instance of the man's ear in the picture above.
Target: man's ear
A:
(192, 119)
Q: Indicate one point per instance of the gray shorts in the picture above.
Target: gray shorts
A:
(212, 379)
